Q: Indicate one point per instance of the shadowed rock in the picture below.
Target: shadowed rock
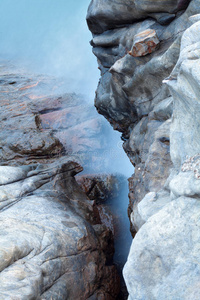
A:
(154, 101)
(108, 14)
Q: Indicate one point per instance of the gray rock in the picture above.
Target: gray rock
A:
(48, 247)
(148, 206)
(167, 243)
(186, 183)
(185, 91)
(163, 260)
(107, 14)
(133, 97)
(53, 244)
(154, 101)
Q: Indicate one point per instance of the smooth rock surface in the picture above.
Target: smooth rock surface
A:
(47, 241)
(164, 258)
(107, 14)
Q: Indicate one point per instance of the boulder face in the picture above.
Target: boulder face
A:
(153, 99)
(53, 243)
(108, 14)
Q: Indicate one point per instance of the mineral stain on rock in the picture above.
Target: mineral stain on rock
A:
(144, 43)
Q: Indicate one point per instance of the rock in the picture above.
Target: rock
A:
(108, 14)
(131, 94)
(185, 92)
(29, 206)
(162, 262)
(185, 184)
(154, 101)
(166, 255)
(99, 187)
(41, 124)
(145, 43)
(53, 243)
(148, 206)
(161, 5)
(163, 110)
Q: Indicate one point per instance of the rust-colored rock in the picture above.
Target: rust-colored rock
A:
(145, 43)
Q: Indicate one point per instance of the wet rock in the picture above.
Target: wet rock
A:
(144, 43)
(99, 187)
(40, 124)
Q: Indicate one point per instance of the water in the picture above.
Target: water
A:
(51, 37)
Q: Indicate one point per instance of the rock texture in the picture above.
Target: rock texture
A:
(42, 122)
(98, 186)
(108, 14)
(154, 101)
(144, 43)
(53, 243)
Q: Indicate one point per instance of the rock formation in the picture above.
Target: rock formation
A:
(53, 244)
(153, 99)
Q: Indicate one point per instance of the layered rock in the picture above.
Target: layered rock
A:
(43, 122)
(49, 248)
(53, 243)
(153, 101)
(104, 15)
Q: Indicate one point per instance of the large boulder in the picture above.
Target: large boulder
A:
(48, 246)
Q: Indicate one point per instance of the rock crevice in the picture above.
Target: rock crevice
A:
(152, 97)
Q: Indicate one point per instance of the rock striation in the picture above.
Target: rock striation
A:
(53, 243)
(153, 99)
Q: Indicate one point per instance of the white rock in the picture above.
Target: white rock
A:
(163, 262)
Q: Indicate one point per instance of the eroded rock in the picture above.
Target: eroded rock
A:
(53, 244)
(153, 101)
(107, 14)
(168, 227)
